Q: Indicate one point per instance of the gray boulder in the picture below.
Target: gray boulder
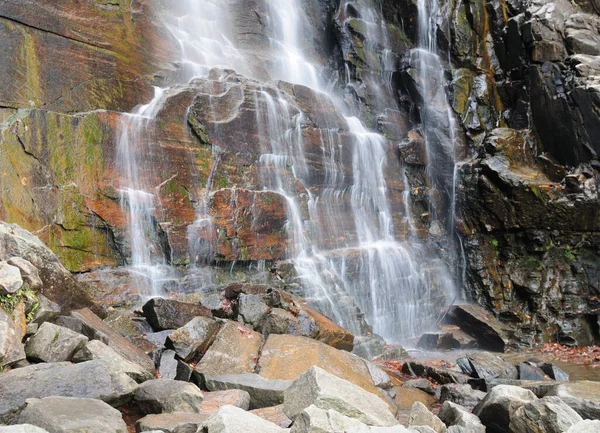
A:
(585, 426)
(168, 365)
(166, 395)
(231, 419)
(10, 279)
(252, 308)
(175, 422)
(11, 348)
(484, 365)
(463, 395)
(326, 391)
(582, 395)
(315, 420)
(29, 273)
(159, 338)
(263, 392)
(66, 415)
(499, 405)
(422, 384)
(92, 379)
(453, 414)
(46, 311)
(171, 314)
(421, 416)
(21, 428)
(54, 343)
(192, 339)
(546, 415)
(554, 372)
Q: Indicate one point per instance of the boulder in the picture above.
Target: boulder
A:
(475, 320)
(422, 384)
(421, 416)
(484, 365)
(159, 338)
(286, 357)
(499, 406)
(404, 398)
(326, 391)
(54, 343)
(166, 395)
(585, 426)
(175, 422)
(315, 420)
(280, 321)
(554, 372)
(583, 396)
(96, 349)
(29, 273)
(66, 415)
(252, 309)
(167, 367)
(462, 395)
(21, 428)
(433, 341)
(263, 392)
(171, 314)
(213, 401)
(539, 387)
(453, 414)
(274, 414)
(231, 419)
(546, 415)
(437, 374)
(46, 311)
(530, 372)
(92, 379)
(380, 377)
(10, 279)
(11, 334)
(193, 339)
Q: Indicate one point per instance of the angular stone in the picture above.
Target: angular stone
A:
(453, 414)
(54, 343)
(22, 428)
(213, 401)
(95, 349)
(421, 416)
(421, 384)
(404, 398)
(92, 379)
(252, 309)
(234, 351)
(231, 419)
(166, 395)
(554, 372)
(65, 415)
(10, 279)
(546, 415)
(159, 338)
(462, 395)
(488, 366)
(175, 422)
(316, 420)
(46, 311)
(491, 334)
(274, 414)
(263, 392)
(194, 338)
(499, 406)
(583, 396)
(171, 314)
(439, 375)
(168, 365)
(326, 391)
(585, 426)
(539, 388)
(29, 273)
(530, 372)
(380, 377)
(11, 348)
(280, 321)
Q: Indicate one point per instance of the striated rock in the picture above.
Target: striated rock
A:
(263, 392)
(175, 422)
(314, 420)
(326, 391)
(439, 375)
(583, 396)
(273, 414)
(421, 416)
(213, 401)
(453, 414)
(234, 351)
(530, 372)
(11, 348)
(488, 366)
(54, 343)
(166, 395)
(10, 279)
(462, 395)
(171, 314)
(93, 379)
(64, 414)
(546, 415)
(194, 338)
(499, 406)
(231, 419)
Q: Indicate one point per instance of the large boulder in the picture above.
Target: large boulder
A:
(546, 415)
(315, 420)
(46, 311)
(166, 395)
(483, 365)
(263, 392)
(234, 351)
(171, 314)
(453, 414)
(421, 416)
(499, 406)
(491, 334)
(326, 391)
(93, 379)
(29, 273)
(463, 395)
(194, 338)
(231, 419)
(252, 308)
(11, 334)
(583, 396)
(52, 343)
(10, 279)
(174, 422)
(66, 415)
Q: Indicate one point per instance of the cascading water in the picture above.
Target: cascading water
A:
(357, 271)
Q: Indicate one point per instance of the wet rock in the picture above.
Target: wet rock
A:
(46, 311)
(313, 420)
(421, 416)
(252, 309)
(10, 279)
(476, 321)
(274, 414)
(325, 391)
(92, 379)
(439, 375)
(428, 341)
(64, 414)
(583, 396)
(11, 334)
(554, 372)
(421, 384)
(546, 415)
(194, 338)
(29, 273)
(54, 343)
(499, 406)
(175, 422)
(231, 419)
(214, 400)
(433, 341)
(263, 392)
(488, 366)
(453, 414)
(171, 314)
(166, 395)
(530, 372)
(463, 395)
(234, 351)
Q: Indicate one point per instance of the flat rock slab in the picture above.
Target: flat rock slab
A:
(215, 400)
(231, 419)
(52, 343)
(175, 422)
(274, 414)
(92, 379)
(326, 391)
(582, 395)
(66, 415)
(263, 392)
(234, 351)
(166, 395)
(171, 314)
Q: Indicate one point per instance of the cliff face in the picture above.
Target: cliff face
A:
(520, 79)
